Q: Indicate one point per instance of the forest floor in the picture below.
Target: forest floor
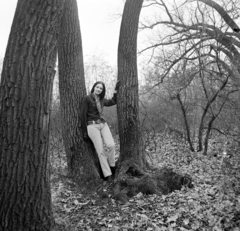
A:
(213, 204)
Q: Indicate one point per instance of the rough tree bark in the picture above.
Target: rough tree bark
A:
(134, 173)
(128, 99)
(81, 158)
(25, 97)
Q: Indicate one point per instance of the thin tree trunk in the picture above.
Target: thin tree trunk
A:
(186, 123)
(210, 123)
(80, 155)
(26, 90)
(209, 103)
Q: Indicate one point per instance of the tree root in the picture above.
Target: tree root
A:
(132, 179)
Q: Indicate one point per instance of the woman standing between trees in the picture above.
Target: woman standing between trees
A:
(96, 128)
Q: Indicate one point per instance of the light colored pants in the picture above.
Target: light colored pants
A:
(100, 133)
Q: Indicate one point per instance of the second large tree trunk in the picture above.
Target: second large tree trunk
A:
(81, 158)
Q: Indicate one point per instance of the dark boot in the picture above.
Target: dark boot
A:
(109, 179)
(113, 170)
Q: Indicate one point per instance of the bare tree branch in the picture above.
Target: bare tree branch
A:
(223, 14)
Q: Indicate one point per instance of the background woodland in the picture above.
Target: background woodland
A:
(178, 114)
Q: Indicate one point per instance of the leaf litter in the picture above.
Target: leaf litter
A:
(211, 205)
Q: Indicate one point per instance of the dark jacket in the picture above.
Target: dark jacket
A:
(89, 109)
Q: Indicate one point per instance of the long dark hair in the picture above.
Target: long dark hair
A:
(102, 95)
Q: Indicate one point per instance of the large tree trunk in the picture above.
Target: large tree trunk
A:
(81, 158)
(134, 173)
(26, 90)
(131, 153)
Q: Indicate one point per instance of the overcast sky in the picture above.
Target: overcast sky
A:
(99, 31)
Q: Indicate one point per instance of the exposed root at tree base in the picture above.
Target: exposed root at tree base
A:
(132, 179)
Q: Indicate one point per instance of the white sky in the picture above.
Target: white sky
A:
(99, 32)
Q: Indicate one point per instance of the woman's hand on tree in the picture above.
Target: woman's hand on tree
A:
(117, 85)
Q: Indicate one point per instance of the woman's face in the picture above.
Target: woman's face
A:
(98, 89)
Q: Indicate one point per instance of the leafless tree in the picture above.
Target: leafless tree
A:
(198, 24)
(196, 35)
